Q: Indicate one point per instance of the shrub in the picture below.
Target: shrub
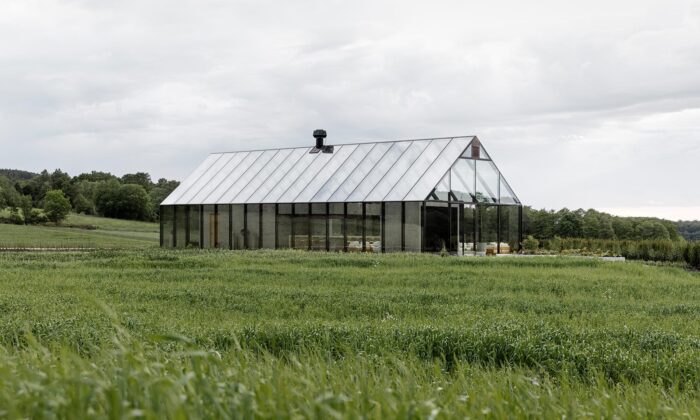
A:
(37, 217)
(56, 205)
(530, 244)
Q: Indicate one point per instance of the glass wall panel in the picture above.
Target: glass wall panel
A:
(354, 227)
(268, 226)
(488, 229)
(318, 226)
(194, 219)
(437, 227)
(373, 227)
(443, 188)
(486, 182)
(253, 226)
(412, 227)
(181, 226)
(392, 226)
(468, 229)
(237, 228)
(301, 226)
(223, 226)
(336, 241)
(454, 226)
(209, 224)
(167, 218)
(507, 195)
(284, 226)
(510, 235)
(462, 181)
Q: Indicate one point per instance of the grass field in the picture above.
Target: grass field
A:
(108, 233)
(285, 334)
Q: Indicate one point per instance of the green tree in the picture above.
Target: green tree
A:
(650, 229)
(128, 201)
(25, 203)
(159, 192)
(570, 224)
(139, 178)
(56, 205)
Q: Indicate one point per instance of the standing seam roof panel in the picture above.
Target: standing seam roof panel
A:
(437, 169)
(277, 175)
(228, 160)
(307, 176)
(343, 172)
(174, 197)
(224, 176)
(376, 175)
(418, 167)
(290, 178)
(248, 175)
(232, 177)
(361, 171)
(339, 157)
(204, 179)
(261, 176)
(398, 171)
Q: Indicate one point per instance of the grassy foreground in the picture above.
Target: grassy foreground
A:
(263, 334)
(105, 233)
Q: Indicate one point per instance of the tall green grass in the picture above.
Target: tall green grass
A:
(160, 333)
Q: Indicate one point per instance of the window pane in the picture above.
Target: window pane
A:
(209, 222)
(488, 224)
(194, 226)
(462, 181)
(335, 233)
(253, 226)
(181, 226)
(468, 230)
(167, 218)
(437, 227)
(268, 226)
(284, 226)
(392, 224)
(354, 227)
(412, 227)
(443, 188)
(373, 234)
(301, 226)
(223, 228)
(237, 227)
(486, 182)
(507, 195)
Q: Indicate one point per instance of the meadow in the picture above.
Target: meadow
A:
(226, 334)
(81, 231)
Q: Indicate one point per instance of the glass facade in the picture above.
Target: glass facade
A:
(429, 226)
(360, 198)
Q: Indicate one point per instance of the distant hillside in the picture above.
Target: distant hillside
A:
(690, 230)
(17, 175)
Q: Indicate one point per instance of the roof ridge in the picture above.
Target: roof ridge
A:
(343, 144)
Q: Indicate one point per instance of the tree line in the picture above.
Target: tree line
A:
(132, 196)
(591, 224)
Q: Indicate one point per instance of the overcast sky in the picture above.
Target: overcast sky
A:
(581, 104)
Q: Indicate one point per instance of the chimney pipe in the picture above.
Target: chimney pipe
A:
(319, 135)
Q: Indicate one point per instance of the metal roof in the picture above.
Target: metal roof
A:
(406, 170)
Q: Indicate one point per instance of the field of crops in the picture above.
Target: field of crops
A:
(260, 334)
(86, 232)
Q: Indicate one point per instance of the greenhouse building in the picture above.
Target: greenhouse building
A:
(428, 195)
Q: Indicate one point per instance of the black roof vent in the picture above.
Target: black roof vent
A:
(319, 135)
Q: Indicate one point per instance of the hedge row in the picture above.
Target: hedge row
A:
(651, 250)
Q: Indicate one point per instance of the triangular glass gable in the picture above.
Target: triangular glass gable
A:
(474, 178)
(507, 194)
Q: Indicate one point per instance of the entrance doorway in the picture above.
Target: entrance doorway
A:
(442, 227)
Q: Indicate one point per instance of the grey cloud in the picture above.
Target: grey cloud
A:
(577, 102)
